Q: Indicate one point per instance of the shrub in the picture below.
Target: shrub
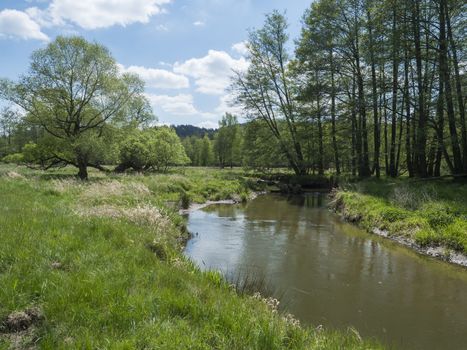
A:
(152, 148)
(185, 200)
(14, 158)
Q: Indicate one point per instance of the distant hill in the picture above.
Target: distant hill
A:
(191, 130)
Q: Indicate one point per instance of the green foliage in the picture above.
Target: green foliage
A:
(135, 150)
(73, 92)
(227, 141)
(437, 214)
(260, 150)
(14, 158)
(166, 149)
(185, 200)
(156, 148)
(455, 235)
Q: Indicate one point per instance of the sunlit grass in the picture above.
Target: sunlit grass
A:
(430, 212)
(102, 262)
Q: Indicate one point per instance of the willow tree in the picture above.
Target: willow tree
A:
(73, 90)
(266, 89)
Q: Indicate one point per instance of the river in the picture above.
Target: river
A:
(331, 273)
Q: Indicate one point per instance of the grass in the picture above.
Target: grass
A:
(431, 213)
(102, 262)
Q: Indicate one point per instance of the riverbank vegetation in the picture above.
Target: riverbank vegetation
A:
(98, 264)
(428, 213)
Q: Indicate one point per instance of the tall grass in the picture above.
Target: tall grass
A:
(430, 212)
(102, 263)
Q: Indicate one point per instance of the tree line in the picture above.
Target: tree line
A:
(371, 86)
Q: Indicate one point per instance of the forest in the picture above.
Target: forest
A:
(369, 88)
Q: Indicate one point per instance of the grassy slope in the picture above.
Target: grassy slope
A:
(432, 213)
(103, 263)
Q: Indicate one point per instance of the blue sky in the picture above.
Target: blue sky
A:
(183, 49)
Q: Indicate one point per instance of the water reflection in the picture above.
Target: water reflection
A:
(335, 274)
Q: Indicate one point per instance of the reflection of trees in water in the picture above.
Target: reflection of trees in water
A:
(333, 273)
(311, 200)
(225, 210)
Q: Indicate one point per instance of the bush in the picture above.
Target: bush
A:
(185, 200)
(152, 148)
(14, 158)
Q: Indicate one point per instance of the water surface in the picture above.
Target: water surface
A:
(331, 273)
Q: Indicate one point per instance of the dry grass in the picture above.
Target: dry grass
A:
(146, 215)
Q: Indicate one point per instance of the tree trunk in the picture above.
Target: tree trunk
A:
(460, 97)
(320, 128)
(376, 126)
(333, 114)
(445, 79)
(420, 146)
(408, 148)
(82, 170)
(395, 86)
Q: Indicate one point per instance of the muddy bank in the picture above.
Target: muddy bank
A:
(438, 252)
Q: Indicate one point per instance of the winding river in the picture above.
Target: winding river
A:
(330, 273)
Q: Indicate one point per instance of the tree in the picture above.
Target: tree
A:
(265, 91)
(166, 149)
(260, 150)
(205, 151)
(153, 148)
(73, 90)
(318, 63)
(226, 140)
(9, 119)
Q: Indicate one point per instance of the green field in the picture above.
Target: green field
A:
(99, 265)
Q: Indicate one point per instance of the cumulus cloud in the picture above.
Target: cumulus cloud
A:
(240, 48)
(212, 72)
(94, 14)
(179, 105)
(18, 24)
(199, 24)
(158, 78)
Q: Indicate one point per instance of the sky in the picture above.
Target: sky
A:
(185, 50)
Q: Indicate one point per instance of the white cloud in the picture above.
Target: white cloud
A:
(15, 23)
(212, 72)
(208, 124)
(226, 105)
(94, 14)
(158, 78)
(199, 24)
(240, 48)
(179, 105)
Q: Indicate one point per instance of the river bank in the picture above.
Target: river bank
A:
(99, 264)
(428, 217)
